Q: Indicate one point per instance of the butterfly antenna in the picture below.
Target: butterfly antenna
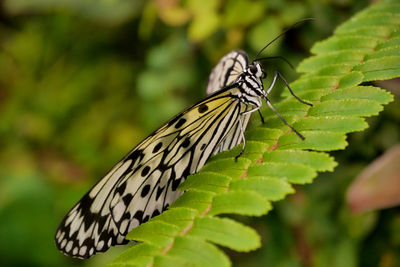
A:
(280, 35)
(277, 57)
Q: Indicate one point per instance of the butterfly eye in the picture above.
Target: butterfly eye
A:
(253, 69)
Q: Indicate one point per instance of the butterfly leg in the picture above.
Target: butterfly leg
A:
(252, 110)
(242, 129)
(284, 121)
(278, 74)
(272, 83)
(261, 116)
(243, 138)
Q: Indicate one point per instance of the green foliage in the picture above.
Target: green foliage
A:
(275, 158)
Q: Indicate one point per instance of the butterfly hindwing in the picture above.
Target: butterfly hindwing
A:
(226, 72)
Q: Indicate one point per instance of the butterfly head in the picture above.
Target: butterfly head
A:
(255, 69)
(252, 84)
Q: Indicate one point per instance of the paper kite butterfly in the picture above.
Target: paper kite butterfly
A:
(144, 183)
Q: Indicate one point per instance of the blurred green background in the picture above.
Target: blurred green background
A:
(82, 82)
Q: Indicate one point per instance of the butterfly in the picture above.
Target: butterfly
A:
(144, 183)
(228, 69)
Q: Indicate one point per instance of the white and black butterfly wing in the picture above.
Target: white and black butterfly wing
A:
(88, 227)
(226, 72)
(181, 149)
(144, 182)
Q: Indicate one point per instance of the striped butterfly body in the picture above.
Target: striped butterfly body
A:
(144, 183)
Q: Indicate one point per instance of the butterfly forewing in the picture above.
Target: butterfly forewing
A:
(144, 183)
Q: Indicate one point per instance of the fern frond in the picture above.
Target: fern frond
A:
(365, 48)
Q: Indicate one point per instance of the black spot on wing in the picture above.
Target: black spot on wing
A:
(165, 207)
(138, 216)
(180, 123)
(157, 147)
(159, 192)
(145, 190)
(84, 209)
(145, 219)
(162, 167)
(137, 168)
(186, 142)
(156, 212)
(203, 108)
(86, 202)
(135, 156)
(101, 222)
(121, 188)
(175, 119)
(145, 171)
(127, 199)
(175, 184)
(126, 215)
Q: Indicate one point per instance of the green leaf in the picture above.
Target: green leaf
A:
(138, 255)
(386, 52)
(226, 232)
(181, 217)
(198, 200)
(207, 181)
(319, 161)
(392, 43)
(315, 82)
(273, 189)
(263, 134)
(225, 166)
(360, 92)
(167, 260)
(370, 20)
(316, 63)
(240, 202)
(353, 78)
(346, 107)
(155, 232)
(289, 107)
(288, 171)
(331, 70)
(376, 31)
(380, 69)
(345, 124)
(315, 140)
(338, 43)
(273, 121)
(197, 252)
(253, 151)
(311, 96)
